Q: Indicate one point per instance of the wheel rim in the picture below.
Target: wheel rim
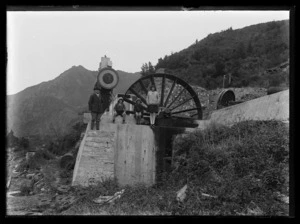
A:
(224, 98)
(176, 95)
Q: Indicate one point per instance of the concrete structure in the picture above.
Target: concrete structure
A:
(135, 153)
(95, 158)
(122, 151)
(105, 62)
(270, 107)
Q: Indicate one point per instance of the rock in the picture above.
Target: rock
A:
(282, 197)
(29, 155)
(109, 199)
(44, 202)
(181, 194)
(13, 193)
(30, 175)
(37, 177)
(26, 183)
(208, 195)
(63, 188)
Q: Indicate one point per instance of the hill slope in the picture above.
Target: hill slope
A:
(244, 53)
(52, 107)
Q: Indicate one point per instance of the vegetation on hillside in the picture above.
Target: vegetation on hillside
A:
(238, 170)
(242, 54)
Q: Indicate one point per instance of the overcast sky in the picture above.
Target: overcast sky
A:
(42, 45)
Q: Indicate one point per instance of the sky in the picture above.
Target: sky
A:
(43, 44)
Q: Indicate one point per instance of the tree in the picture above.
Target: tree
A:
(12, 140)
(241, 52)
(150, 68)
(220, 68)
(24, 143)
(145, 69)
(160, 64)
(250, 47)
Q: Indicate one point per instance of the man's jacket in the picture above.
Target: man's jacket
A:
(96, 103)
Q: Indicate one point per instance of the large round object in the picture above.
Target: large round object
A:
(177, 98)
(224, 98)
(108, 78)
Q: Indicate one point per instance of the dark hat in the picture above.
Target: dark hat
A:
(138, 100)
(96, 87)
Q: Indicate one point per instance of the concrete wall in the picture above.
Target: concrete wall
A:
(275, 106)
(95, 159)
(123, 151)
(135, 155)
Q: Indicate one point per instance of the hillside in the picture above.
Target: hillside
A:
(52, 107)
(245, 54)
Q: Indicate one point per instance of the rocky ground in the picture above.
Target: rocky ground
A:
(44, 190)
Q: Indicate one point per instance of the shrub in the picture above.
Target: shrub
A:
(26, 187)
(239, 164)
(24, 143)
(23, 165)
(39, 159)
(66, 143)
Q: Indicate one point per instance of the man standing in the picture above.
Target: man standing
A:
(96, 107)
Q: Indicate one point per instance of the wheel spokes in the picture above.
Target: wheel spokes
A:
(176, 98)
(182, 103)
(133, 103)
(170, 92)
(170, 88)
(143, 87)
(193, 115)
(162, 90)
(138, 95)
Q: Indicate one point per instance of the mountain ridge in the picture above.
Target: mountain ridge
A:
(27, 110)
(244, 54)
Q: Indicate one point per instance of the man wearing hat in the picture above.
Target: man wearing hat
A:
(96, 107)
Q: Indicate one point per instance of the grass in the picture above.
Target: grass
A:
(242, 166)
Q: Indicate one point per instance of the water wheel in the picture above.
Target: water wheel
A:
(177, 98)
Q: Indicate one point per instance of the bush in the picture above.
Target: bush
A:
(39, 158)
(23, 165)
(66, 143)
(24, 143)
(26, 187)
(239, 164)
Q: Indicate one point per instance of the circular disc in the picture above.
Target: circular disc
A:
(108, 78)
